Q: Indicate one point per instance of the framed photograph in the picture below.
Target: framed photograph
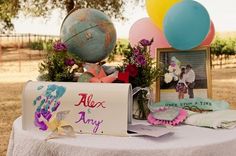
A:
(186, 74)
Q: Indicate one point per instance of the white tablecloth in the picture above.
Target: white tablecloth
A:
(187, 141)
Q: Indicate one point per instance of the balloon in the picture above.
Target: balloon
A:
(186, 25)
(210, 36)
(145, 29)
(157, 10)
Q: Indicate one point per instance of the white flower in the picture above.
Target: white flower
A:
(177, 71)
(176, 78)
(171, 69)
(168, 77)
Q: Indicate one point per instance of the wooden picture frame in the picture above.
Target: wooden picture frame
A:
(198, 58)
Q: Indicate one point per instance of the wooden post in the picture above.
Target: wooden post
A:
(22, 42)
(19, 52)
(29, 39)
(35, 39)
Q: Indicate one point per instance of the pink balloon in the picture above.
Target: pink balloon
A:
(145, 29)
(210, 36)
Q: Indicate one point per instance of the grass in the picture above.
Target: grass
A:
(10, 109)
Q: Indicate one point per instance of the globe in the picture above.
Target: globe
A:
(89, 34)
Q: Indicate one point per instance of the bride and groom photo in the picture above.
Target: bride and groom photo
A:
(186, 74)
(186, 82)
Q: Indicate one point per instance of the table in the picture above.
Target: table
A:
(187, 141)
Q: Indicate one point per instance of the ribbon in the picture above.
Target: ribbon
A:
(196, 104)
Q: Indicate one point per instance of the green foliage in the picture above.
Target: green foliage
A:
(229, 48)
(54, 67)
(48, 45)
(44, 7)
(119, 50)
(9, 9)
(42, 45)
(37, 45)
(222, 46)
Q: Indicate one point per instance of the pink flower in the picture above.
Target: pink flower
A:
(136, 51)
(69, 62)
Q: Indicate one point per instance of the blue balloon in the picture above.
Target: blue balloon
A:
(186, 25)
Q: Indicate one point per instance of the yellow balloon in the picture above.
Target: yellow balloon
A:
(157, 10)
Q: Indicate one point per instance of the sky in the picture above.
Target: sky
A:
(222, 13)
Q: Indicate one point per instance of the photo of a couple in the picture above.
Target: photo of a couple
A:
(186, 82)
(185, 75)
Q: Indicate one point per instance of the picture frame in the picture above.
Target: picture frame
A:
(198, 59)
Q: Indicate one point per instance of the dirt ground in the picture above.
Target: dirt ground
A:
(12, 81)
(10, 109)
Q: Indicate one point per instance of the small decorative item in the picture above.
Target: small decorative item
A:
(97, 34)
(59, 126)
(96, 74)
(59, 65)
(140, 70)
(167, 116)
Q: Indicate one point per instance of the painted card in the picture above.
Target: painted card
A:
(97, 108)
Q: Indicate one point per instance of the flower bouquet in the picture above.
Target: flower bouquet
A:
(59, 65)
(140, 70)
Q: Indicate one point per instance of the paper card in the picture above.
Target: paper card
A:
(97, 108)
(149, 130)
(166, 114)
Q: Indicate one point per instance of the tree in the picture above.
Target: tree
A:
(9, 9)
(223, 48)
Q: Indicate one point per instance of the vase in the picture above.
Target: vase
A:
(140, 105)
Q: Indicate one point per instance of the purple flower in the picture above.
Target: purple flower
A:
(136, 51)
(69, 62)
(59, 47)
(140, 59)
(145, 42)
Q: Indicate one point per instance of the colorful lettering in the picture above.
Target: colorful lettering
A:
(95, 123)
(88, 101)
